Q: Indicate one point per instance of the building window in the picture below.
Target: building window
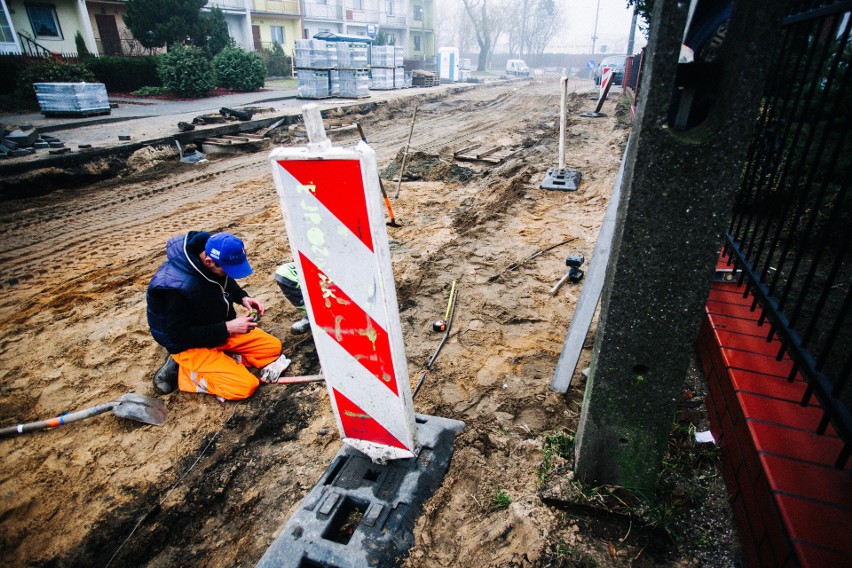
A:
(390, 7)
(417, 43)
(44, 21)
(358, 4)
(5, 29)
(418, 12)
(391, 39)
(277, 33)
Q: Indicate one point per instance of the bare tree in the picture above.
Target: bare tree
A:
(545, 20)
(485, 26)
(532, 24)
(454, 29)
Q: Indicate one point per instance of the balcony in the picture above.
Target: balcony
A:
(286, 7)
(323, 12)
(375, 17)
(228, 5)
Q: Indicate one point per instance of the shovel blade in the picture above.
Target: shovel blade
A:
(140, 408)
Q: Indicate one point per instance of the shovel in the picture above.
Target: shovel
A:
(392, 222)
(133, 406)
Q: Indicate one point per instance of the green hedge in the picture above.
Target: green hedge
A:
(49, 72)
(125, 74)
(186, 72)
(239, 70)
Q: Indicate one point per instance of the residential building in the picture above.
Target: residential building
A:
(52, 25)
(238, 17)
(254, 24)
(406, 23)
(322, 16)
(111, 36)
(276, 21)
(9, 42)
(420, 45)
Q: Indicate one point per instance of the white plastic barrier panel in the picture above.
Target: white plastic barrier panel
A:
(332, 207)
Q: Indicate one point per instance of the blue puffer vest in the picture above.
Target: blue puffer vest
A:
(188, 307)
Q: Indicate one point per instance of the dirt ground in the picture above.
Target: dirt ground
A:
(213, 485)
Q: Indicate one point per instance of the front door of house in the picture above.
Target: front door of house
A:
(108, 29)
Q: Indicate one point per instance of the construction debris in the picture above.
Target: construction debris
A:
(492, 155)
(23, 142)
(420, 78)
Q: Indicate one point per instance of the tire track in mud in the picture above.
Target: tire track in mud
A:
(58, 234)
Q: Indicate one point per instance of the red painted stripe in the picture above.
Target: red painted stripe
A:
(349, 325)
(338, 186)
(359, 425)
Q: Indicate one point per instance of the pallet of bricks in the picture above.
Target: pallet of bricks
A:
(351, 79)
(315, 59)
(422, 78)
(386, 68)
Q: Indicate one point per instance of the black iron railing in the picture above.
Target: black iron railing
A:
(791, 232)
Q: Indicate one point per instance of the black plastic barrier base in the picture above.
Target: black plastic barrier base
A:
(564, 179)
(363, 514)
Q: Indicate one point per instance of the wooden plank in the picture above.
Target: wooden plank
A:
(489, 151)
(590, 294)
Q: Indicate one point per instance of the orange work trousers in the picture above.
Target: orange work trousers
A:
(213, 370)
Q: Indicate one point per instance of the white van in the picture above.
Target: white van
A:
(517, 68)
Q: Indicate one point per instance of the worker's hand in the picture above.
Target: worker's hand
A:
(241, 324)
(252, 304)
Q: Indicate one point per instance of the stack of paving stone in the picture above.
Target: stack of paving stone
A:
(72, 99)
(25, 141)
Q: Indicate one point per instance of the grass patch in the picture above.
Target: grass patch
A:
(683, 484)
(500, 500)
(558, 449)
(281, 83)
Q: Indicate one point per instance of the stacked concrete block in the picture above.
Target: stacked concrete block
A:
(72, 99)
(386, 68)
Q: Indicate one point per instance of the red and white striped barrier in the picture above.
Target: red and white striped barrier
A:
(332, 206)
(606, 79)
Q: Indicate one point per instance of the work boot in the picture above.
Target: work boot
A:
(301, 326)
(166, 379)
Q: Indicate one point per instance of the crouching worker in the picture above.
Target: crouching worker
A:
(191, 313)
(288, 280)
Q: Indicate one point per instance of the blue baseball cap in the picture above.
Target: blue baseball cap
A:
(229, 253)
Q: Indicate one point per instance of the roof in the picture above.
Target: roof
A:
(329, 36)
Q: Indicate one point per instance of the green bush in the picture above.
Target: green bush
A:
(49, 72)
(10, 67)
(186, 72)
(278, 63)
(150, 91)
(125, 74)
(239, 70)
(82, 50)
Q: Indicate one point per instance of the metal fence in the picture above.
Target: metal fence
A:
(792, 225)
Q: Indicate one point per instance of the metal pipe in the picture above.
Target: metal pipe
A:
(564, 84)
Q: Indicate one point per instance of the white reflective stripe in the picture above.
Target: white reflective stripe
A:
(200, 386)
(332, 247)
(357, 384)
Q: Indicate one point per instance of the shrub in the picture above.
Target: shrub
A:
(80, 43)
(10, 67)
(239, 70)
(186, 72)
(125, 74)
(150, 91)
(278, 63)
(49, 72)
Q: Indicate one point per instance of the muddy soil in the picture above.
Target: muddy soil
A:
(213, 485)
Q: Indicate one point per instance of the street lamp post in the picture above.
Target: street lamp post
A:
(595, 34)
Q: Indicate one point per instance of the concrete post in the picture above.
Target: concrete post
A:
(675, 202)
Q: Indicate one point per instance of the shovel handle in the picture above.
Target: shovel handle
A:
(58, 421)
